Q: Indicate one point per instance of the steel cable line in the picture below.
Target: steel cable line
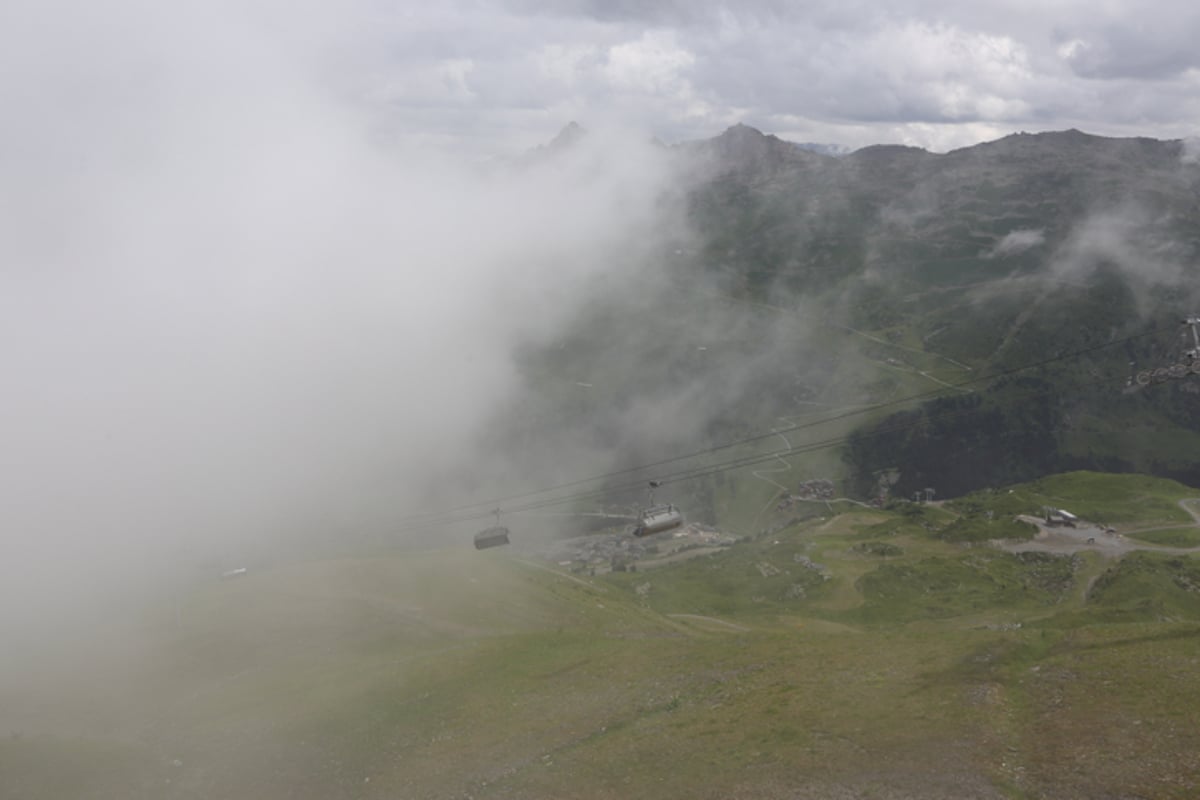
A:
(690, 474)
(471, 507)
(758, 458)
(473, 511)
(463, 515)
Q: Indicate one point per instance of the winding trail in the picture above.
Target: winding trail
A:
(786, 466)
(782, 490)
(899, 346)
(593, 586)
(1184, 504)
(714, 620)
(761, 474)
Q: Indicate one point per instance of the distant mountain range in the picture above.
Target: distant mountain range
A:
(1064, 249)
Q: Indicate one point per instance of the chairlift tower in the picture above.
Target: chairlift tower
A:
(1193, 353)
(1189, 363)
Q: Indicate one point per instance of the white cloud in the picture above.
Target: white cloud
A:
(439, 82)
(1116, 69)
(230, 312)
(1127, 239)
(1191, 150)
(500, 77)
(1016, 242)
(653, 63)
(566, 64)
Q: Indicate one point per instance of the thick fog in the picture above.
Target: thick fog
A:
(235, 311)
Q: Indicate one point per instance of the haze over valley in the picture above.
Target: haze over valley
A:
(843, 442)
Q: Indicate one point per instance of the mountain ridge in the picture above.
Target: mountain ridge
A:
(994, 256)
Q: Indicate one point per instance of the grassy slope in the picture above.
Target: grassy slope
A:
(1126, 501)
(902, 674)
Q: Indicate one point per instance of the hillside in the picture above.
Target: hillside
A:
(858, 655)
(815, 342)
(1037, 273)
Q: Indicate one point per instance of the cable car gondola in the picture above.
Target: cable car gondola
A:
(495, 536)
(656, 519)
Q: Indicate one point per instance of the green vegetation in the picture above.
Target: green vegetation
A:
(1099, 497)
(985, 527)
(908, 519)
(768, 575)
(935, 588)
(889, 653)
(1148, 587)
(966, 520)
(1172, 537)
(883, 549)
(816, 283)
(959, 442)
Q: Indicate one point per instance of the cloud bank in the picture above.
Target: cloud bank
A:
(234, 311)
(929, 73)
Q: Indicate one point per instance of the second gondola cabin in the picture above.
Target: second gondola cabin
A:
(495, 536)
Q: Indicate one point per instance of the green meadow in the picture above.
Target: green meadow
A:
(859, 655)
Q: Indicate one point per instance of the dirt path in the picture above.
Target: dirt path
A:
(559, 573)
(677, 556)
(714, 620)
(1185, 505)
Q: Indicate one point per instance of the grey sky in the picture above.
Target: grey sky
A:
(498, 76)
(925, 72)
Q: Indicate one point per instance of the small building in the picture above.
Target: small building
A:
(1059, 517)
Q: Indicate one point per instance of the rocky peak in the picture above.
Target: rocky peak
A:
(747, 149)
(568, 136)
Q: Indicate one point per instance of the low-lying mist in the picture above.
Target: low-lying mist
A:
(239, 321)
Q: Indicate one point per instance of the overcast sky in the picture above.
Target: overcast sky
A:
(499, 76)
(504, 74)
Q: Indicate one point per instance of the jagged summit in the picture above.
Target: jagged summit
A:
(746, 138)
(742, 129)
(747, 149)
(566, 139)
(571, 133)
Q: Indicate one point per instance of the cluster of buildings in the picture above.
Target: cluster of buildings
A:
(816, 489)
(621, 552)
